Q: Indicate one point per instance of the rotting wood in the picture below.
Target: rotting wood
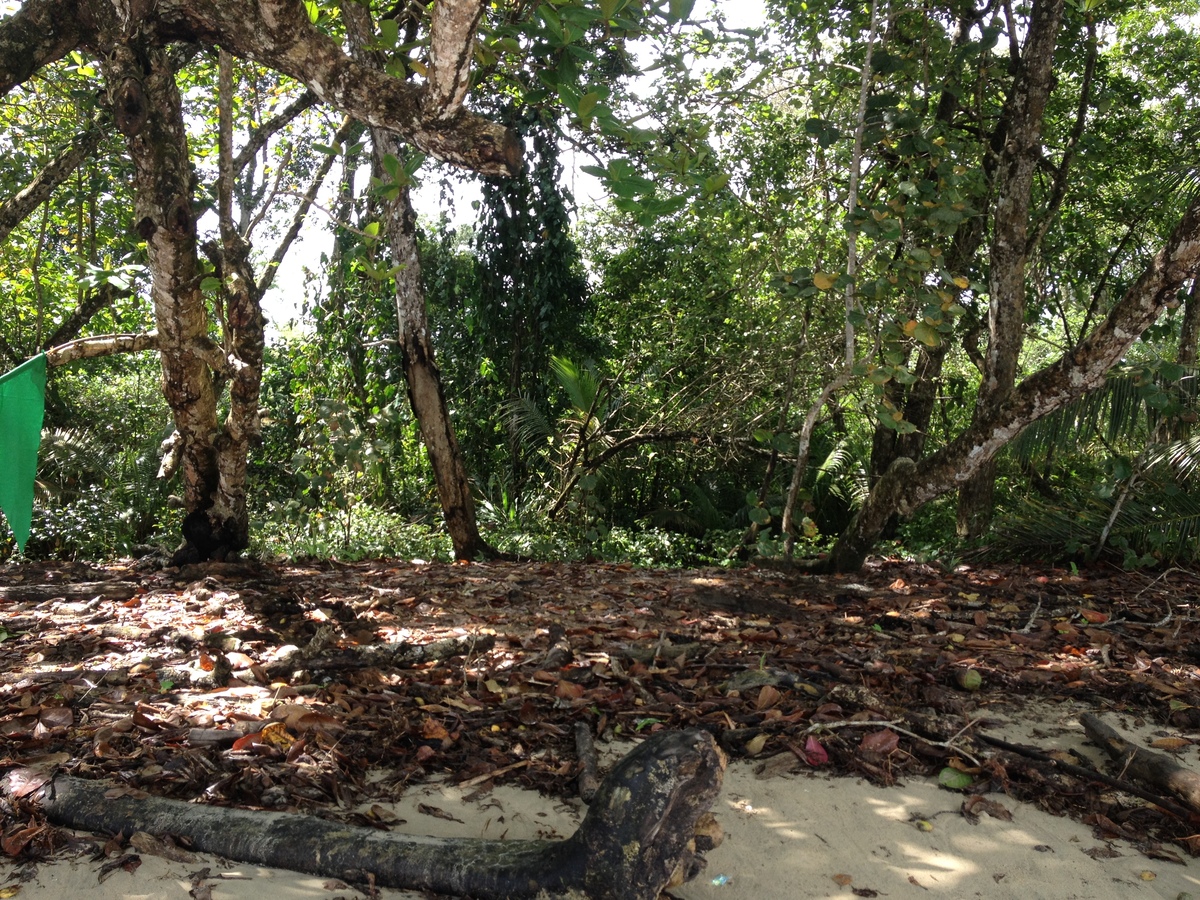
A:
(1154, 769)
(638, 837)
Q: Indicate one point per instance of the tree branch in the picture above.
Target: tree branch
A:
(39, 33)
(451, 43)
(30, 197)
(278, 34)
(82, 314)
(268, 129)
(101, 345)
(306, 202)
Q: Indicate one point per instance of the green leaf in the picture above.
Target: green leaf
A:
(927, 335)
(954, 780)
(714, 183)
(760, 516)
(389, 32)
(587, 103)
(609, 8)
(210, 284)
(314, 10)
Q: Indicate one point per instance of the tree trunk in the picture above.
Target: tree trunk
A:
(638, 838)
(1009, 252)
(1189, 331)
(148, 111)
(424, 381)
(1071, 376)
(976, 501)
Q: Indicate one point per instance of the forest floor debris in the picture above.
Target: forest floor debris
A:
(303, 687)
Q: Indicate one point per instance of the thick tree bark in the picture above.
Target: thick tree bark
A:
(101, 345)
(37, 34)
(148, 111)
(1189, 330)
(638, 837)
(425, 393)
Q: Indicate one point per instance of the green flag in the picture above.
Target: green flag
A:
(22, 405)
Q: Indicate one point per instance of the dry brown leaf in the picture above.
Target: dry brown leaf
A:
(1170, 743)
(767, 697)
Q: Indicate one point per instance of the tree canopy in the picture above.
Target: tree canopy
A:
(846, 259)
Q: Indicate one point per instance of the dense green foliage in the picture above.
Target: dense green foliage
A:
(630, 380)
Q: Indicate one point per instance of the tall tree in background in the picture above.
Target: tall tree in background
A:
(1005, 406)
(425, 393)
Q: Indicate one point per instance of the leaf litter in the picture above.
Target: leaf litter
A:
(330, 687)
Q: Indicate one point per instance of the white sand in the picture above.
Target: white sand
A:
(787, 838)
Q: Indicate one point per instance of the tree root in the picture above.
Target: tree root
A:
(638, 837)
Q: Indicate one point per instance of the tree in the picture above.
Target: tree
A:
(131, 46)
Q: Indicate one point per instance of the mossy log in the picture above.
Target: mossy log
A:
(638, 837)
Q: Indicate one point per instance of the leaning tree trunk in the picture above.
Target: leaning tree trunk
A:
(907, 486)
(1189, 331)
(641, 834)
(425, 393)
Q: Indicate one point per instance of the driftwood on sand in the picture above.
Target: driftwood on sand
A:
(1155, 770)
(639, 836)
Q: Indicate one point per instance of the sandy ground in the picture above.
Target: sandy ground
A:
(787, 837)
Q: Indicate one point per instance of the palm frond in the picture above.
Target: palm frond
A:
(531, 426)
(580, 383)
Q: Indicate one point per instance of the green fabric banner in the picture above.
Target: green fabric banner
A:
(22, 406)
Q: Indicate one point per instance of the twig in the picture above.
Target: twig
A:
(1083, 772)
(488, 776)
(1032, 618)
(893, 724)
(1163, 622)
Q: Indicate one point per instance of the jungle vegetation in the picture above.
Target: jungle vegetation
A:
(919, 278)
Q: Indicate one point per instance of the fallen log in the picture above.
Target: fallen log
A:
(637, 838)
(1156, 770)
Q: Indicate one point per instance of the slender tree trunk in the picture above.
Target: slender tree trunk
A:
(425, 393)
(1008, 255)
(425, 383)
(1189, 331)
(244, 340)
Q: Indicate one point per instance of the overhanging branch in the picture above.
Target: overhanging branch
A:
(101, 345)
